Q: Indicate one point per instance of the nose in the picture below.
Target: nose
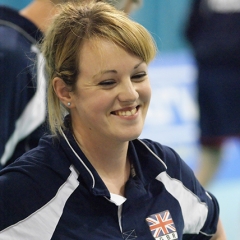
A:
(128, 91)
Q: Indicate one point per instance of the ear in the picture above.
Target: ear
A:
(62, 91)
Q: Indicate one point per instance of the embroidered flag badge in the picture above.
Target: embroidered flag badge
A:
(162, 226)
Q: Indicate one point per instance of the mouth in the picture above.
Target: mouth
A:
(126, 112)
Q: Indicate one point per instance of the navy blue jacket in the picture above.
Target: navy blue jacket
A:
(22, 108)
(53, 192)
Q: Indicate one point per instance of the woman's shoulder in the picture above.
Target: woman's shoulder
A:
(163, 151)
(31, 181)
(175, 165)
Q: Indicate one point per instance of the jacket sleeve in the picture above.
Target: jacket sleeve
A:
(200, 209)
(180, 172)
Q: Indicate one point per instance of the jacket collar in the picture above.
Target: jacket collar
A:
(146, 165)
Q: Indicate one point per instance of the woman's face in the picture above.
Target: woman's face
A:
(112, 93)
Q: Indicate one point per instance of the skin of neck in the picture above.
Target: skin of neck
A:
(40, 12)
(109, 159)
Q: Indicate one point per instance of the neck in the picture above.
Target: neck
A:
(40, 13)
(110, 161)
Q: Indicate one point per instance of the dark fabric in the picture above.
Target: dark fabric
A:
(215, 39)
(18, 73)
(59, 168)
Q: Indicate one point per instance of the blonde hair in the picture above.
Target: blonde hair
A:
(80, 22)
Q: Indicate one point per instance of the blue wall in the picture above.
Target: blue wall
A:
(165, 19)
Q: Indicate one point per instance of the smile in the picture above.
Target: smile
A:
(126, 113)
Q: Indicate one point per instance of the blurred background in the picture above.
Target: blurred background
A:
(173, 114)
(164, 19)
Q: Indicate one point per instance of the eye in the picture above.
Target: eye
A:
(107, 83)
(139, 76)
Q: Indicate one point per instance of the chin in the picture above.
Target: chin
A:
(130, 137)
(128, 134)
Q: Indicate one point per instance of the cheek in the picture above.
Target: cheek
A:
(95, 102)
(146, 92)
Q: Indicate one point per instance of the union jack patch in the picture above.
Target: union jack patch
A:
(162, 226)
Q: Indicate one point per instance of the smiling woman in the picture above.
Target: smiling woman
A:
(93, 178)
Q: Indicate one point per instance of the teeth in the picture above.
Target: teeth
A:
(134, 111)
(126, 113)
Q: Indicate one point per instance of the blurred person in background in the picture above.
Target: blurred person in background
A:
(213, 31)
(22, 81)
(127, 6)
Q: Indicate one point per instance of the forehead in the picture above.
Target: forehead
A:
(100, 54)
(100, 51)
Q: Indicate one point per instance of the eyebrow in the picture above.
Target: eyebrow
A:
(114, 71)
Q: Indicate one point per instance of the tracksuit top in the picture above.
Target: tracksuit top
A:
(53, 192)
(22, 91)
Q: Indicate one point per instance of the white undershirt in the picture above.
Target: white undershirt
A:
(117, 199)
